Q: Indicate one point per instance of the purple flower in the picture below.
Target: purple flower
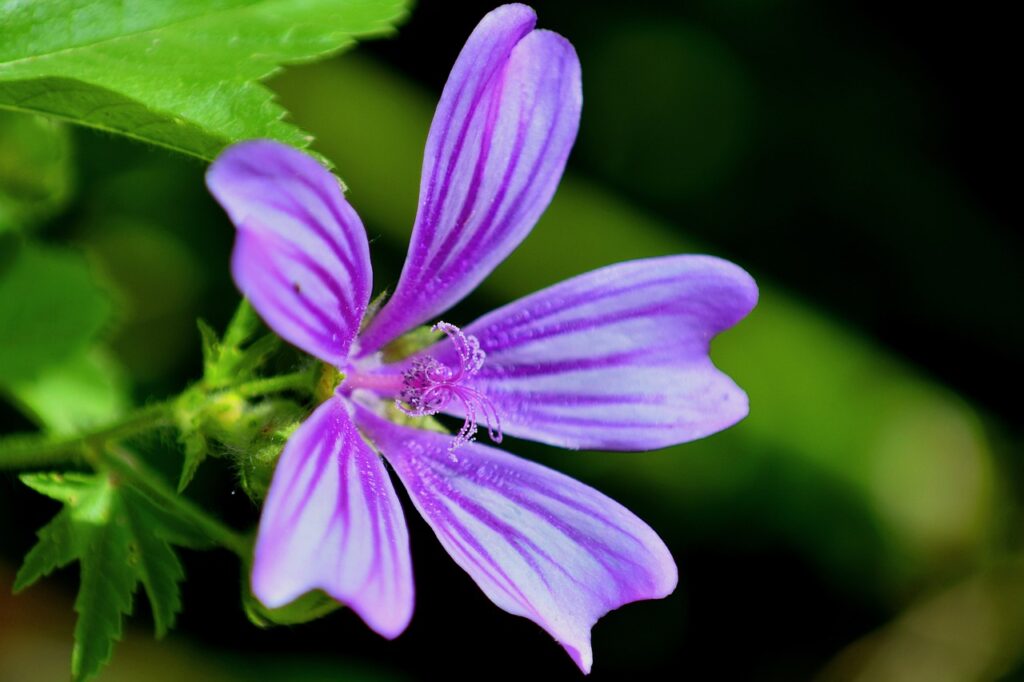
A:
(614, 359)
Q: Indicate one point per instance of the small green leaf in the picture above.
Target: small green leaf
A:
(120, 539)
(183, 75)
(35, 169)
(51, 308)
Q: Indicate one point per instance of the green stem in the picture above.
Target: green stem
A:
(297, 381)
(132, 468)
(33, 450)
(22, 451)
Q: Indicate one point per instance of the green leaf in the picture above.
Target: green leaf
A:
(51, 308)
(54, 550)
(35, 169)
(160, 572)
(120, 538)
(87, 390)
(182, 75)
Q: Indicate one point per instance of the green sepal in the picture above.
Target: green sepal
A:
(257, 462)
(210, 344)
(310, 606)
(425, 423)
(196, 449)
(226, 362)
(371, 310)
(411, 343)
(244, 325)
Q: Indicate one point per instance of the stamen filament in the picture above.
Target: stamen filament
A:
(428, 386)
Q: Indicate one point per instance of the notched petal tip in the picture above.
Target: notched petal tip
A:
(538, 543)
(617, 358)
(735, 287)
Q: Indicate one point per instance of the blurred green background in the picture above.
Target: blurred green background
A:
(863, 523)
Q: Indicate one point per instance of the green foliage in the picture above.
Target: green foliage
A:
(257, 460)
(226, 361)
(35, 169)
(157, 280)
(51, 309)
(252, 433)
(121, 538)
(87, 390)
(228, 417)
(183, 75)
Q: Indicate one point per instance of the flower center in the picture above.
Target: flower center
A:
(428, 386)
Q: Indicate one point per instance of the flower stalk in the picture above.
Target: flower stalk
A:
(29, 451)
(38, 450)
(125, 463)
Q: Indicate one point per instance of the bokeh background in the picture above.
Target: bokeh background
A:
(863, 523)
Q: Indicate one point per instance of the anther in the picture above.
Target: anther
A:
(428, 386)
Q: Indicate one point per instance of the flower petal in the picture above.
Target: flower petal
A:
(496, 151)
(332, 521)
(301, 255)
(538, 543)
(617, 358)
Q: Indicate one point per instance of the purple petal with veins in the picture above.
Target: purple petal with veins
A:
(495, 154)
(301, 255)
(538, 543)
(332, 521)
(616, 358)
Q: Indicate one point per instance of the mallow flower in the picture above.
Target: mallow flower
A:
(613, 359)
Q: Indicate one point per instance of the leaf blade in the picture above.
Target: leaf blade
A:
(179, 75)
(108, 580)
(54, 549)
(120, 538)
(51, 308)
